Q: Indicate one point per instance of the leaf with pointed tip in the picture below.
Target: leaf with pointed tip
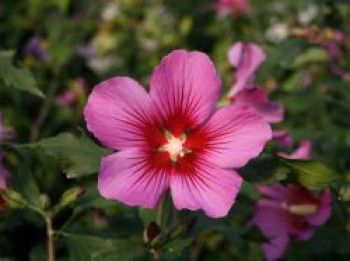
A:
(93, 248)
(19, 78)
(79, 156)
(312, 173)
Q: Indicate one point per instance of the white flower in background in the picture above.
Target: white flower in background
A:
(306, 15)
(100, 54)
(277, 32)
(102, 64)
(110, 11)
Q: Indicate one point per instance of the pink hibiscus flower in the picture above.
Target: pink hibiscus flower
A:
(289, 211)
(247, 58)
(303, 152)
(173, 138)
(256, 98)
(237, 7)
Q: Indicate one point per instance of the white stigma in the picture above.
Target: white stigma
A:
(174, 146)
(301, 209)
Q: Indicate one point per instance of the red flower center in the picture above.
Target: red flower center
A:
(174, 144)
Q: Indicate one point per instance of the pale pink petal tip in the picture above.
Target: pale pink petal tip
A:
(303, 152)
(247, 58)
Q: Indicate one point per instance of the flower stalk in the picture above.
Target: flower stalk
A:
(50, 238)
(156, 251)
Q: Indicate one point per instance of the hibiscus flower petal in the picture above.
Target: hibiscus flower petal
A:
(247, 58)
(283, 137)
(271, 218)
(235, 54)
(305, 233)
(324, 210)
(303, 152)
(234, 135)
(117, 111)
(256, 98)
(126, 176)
(275, 191)
(209, 188)
(185, 86)
(276, 248)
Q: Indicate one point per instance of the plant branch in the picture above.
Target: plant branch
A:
(44, 110)
(50, 238)
(156, 252)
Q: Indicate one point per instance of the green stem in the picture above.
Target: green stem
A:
(156, 252)
(160, 211)
(44, 110)
(50, 238)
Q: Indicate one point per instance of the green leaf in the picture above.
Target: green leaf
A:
(85, 248)
(293, 82)
(78, 156)
(176, 247)
(311, 55)
(61, 4)
(19, 78)
(312, 173)
(282, 56)
(125, 251)
(24, 182)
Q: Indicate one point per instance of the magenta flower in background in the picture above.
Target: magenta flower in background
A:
(246, 58)
(237, 7)
(35, 49)
(256, 98)
(173, 138)
(303, 152)
(4, 174)
(70, 96)
(334, 50)
(283, 137)
(289, 211)
(4, 179)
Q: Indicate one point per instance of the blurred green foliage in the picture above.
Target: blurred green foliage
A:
(98, 39)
